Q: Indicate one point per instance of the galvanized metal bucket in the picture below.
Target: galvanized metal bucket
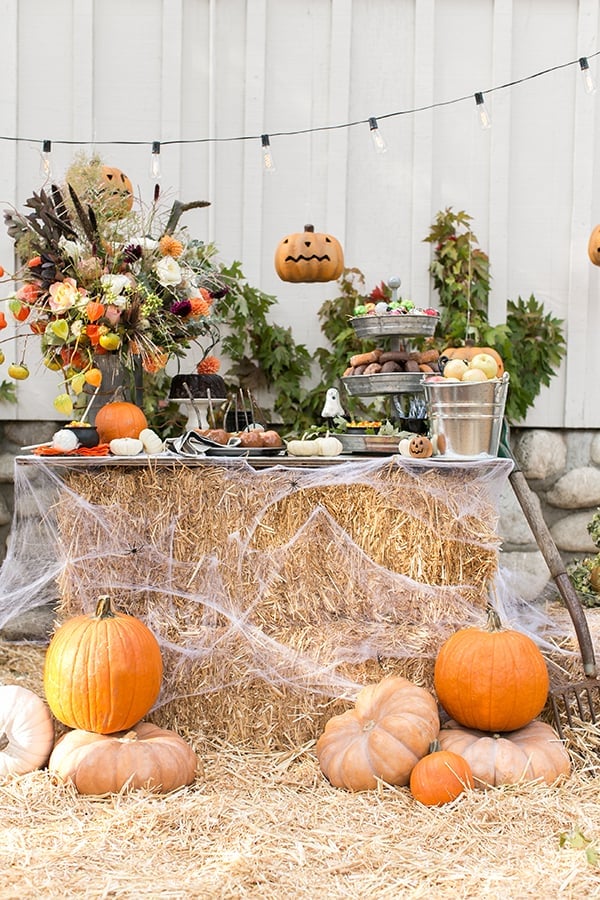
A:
(466, 419)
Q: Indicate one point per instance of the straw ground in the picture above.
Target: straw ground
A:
(267, 824)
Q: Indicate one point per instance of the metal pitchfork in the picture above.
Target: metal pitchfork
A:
(574, 700)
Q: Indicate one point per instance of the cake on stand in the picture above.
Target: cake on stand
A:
(196, 411)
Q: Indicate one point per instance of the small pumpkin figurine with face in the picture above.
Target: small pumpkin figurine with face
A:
(594, 246)
(116, 190)
(309, 256)
(420, 447)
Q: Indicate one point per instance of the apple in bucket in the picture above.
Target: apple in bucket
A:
(485, 363)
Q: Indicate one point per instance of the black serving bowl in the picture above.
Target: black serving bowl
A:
(87, 435)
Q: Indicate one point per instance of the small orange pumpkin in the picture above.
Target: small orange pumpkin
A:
(119, 419)
(309, 256)
(492, 679)
(532, 753)
(440, 777)
(102, 673)
(383, 737)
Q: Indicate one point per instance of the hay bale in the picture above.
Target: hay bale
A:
(276, 594)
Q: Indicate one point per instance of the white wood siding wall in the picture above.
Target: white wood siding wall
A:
(101, 73)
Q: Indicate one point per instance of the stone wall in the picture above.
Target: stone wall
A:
(562, 468)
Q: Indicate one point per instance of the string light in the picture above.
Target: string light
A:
(484, 116)
(268, 161)
(583, 63)
(588, 80)
(155, 161)
(45, 160)
(376, 136)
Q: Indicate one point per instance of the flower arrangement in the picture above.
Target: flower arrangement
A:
(96, 277)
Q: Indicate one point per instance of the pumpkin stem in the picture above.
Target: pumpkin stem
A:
(369, 726)
(309, 227)
(493, 620)
(129, 736)
(435, 746)
(104, 608)
(4, 742)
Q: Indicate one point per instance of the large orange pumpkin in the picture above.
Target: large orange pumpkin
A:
(119, 419)
(102, 673)
(383, 737)
(492, 679)
(146, 756)
(309, 256)
(532, 753)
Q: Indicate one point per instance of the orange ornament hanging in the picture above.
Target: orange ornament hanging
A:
(94, 310)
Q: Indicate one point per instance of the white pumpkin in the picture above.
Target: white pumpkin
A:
(126, 446)
(328, 446)
(302, 448)
(26, 731)
(151, 441)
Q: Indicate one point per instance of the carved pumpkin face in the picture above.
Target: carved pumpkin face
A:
(420, 447)
(594, 246)
(309, 256)
(116, 190)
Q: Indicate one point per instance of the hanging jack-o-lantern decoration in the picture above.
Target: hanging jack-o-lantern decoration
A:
(309, 256)
(116, 189)
(594, 246)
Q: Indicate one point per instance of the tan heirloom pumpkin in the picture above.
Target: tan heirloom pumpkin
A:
(533, 753)
(383, 737)
(440, 777)
(146, 756)
(103, 672)
(309, 256)
(492, 679)
(26, 731)
(116, 190)
(120, 419)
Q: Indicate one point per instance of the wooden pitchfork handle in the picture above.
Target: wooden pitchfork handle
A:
(553, 559)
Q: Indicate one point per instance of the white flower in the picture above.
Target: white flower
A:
(168, 271)
(115, 284)
(76, 327)
(146, 243)
(72, 249)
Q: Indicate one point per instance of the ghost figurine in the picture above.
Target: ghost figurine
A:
(332, 407)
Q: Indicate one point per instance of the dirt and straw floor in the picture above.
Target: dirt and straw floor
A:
(268, 825)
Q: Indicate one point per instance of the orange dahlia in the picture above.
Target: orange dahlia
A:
(170, 246)
(208, 366)
(199, 306)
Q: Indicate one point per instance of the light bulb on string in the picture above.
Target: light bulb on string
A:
(376, 136)
(155, 161)
(46, 161)
(484, 116)
(588, 81)
(268, 161)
